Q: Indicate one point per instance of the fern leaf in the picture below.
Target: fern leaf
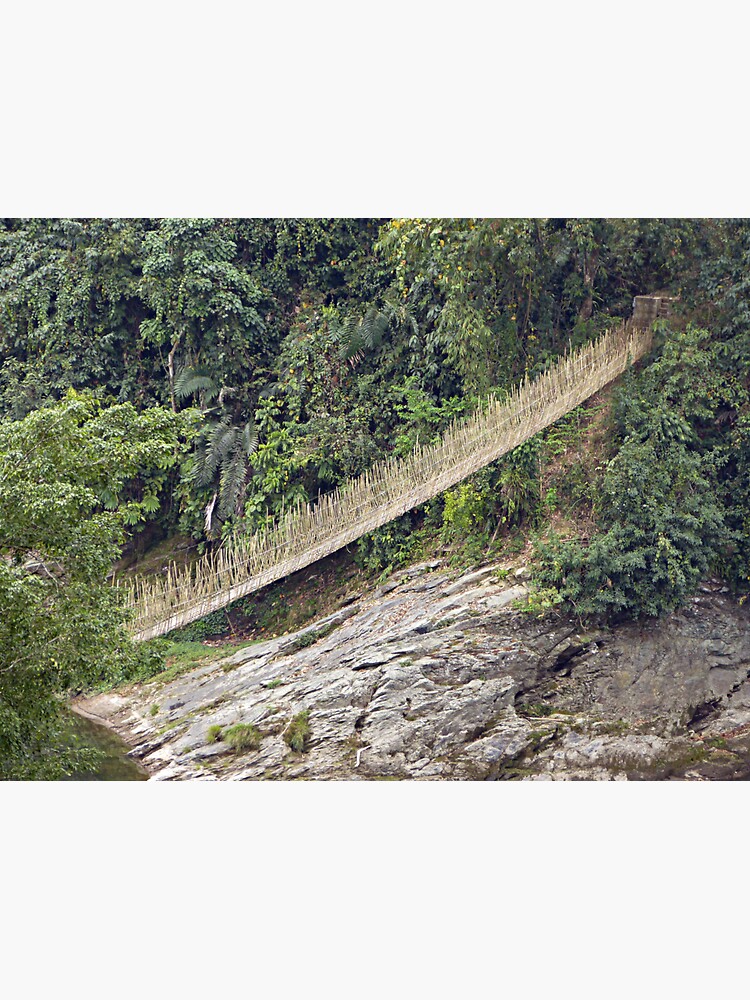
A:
(373, 327)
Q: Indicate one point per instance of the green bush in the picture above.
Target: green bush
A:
(214, 624)
(660, 516)
(652, 557)
(540, 601)
(517, 484)
(467, 509)
(386, 547)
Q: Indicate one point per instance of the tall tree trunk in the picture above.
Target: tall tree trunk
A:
(170, 369)
(590, 264)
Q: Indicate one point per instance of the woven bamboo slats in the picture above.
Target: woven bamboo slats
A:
(309, 532)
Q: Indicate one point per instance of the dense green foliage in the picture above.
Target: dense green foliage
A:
(674, 500)
(311, 346)
(225, 368)
(660, 525)
(72, 477)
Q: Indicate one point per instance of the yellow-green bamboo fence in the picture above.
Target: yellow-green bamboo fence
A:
(309, 532)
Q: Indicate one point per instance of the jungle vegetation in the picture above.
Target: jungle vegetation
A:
(192, 377)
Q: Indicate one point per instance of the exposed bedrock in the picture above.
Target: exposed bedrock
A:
(433, 677)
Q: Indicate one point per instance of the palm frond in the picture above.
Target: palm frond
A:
(362, 335)
(193, 379)
(232, 483)
(220, 438)
(250, 437)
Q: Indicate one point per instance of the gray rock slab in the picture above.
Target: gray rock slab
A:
(408, 691)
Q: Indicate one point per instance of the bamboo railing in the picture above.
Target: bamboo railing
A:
(309, 532)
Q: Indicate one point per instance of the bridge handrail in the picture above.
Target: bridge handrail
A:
(392, 486)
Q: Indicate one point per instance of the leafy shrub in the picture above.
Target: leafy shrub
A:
(423, 419)
(505, 493)
(467, 508)
(136, 662)
(213, 624)
(651, 559)
(517, 486)
(243, 736)
(386, 547)
(661, 523)
(297, 734)
(539, 602)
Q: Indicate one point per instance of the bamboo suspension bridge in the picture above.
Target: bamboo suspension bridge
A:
(308, 532)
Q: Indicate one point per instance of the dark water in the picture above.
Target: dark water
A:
(115, 765)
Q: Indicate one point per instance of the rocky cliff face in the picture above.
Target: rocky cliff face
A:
(436, 678)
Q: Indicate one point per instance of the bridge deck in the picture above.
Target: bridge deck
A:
(311, 531)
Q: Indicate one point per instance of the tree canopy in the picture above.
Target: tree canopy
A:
(73, 476)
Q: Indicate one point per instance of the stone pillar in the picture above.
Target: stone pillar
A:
(648, 308)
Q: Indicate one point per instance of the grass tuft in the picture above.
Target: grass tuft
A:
(243, 736)
(297, 734)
